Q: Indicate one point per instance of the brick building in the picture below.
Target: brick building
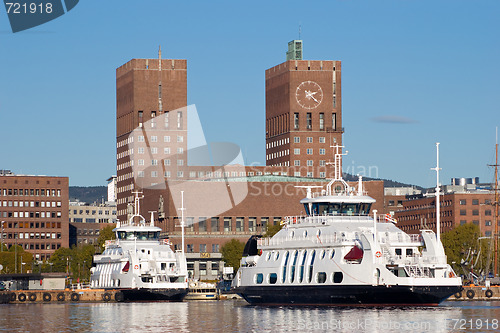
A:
(303, 113)
(34, 213)
(87, 220)
(457, 208)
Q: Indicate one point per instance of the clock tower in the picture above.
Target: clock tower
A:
(303, 115)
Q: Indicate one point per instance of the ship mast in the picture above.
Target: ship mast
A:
(496, 235)
(438, 203)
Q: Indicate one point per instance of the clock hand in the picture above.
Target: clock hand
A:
(312, 93)
(314, 98)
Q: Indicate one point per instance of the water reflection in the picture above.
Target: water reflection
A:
(232, 316)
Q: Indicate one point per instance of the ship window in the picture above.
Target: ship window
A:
(319, 233)
(398, 252)
(337, 277)
(277, 256)
(259, 278)
(301, 272)
(323, 252)
(163, 266)
(268, 256)
(409, 252)
(273, 277)
(292, 233)
(311, 265)
(283, 278)
(292, 270)
(305, 233)
(321, 277)
(332, 254)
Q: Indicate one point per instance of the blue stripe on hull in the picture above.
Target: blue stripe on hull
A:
(347, 295)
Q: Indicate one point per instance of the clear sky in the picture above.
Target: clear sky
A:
(413, 72)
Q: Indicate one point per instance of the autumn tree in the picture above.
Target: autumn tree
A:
(8, 260)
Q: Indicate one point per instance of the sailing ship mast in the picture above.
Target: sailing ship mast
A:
(496, 235)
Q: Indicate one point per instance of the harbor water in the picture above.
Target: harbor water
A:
(238, 316)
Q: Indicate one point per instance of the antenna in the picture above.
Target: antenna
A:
(495, 236)
(438, 204)
(182, 209)
(300, 30)
(160, 106)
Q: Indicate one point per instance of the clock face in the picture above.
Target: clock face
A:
(309, 94)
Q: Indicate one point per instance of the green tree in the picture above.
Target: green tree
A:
(272, 229)
(463, 240)
(232, 252)
(8, 260)
(104, 235)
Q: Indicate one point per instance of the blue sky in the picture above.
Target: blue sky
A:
(413, 72)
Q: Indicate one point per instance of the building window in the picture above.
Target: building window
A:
(475, 212)
(296, 173)
(309, 139)
(296, 162)
(476, 222)
(463, 202)
(140, 150)
(180, 162)
(475, 202)
(154, 150)
(252, 223)
(166, 162)
(180, 138)
(180, 150)
(166, 138)
(310, 174)
(215, 248)
(322, 151)
(154, 138)
(227, 224)
(189, 248)
(239, 224)
(214, 224)
(487, 223)
(180, 174)
(322, 163)
(140, 162)
(154, 174)
(309, 162)
(154, 162)
(463, 212)
(296, 151)
(167, 174)
(166, 119)
(140, 138)
(322, 174)
(487, 233)
(309, 151)
(334, 121)
(296, 139)
(487, 212)
(202, 225)
(203, 248)
(309, 120)
(179, 119)
(296, 121)
(322, 139)
(321, 121)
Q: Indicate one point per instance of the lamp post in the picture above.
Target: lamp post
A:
(1, 237)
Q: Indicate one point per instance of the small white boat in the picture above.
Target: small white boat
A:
(140, 264)
(202, 291)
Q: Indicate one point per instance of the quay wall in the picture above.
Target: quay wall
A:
(61, 296)
(477, 293)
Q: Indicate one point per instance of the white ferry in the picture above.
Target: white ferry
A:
(340, 254)
(139, 264)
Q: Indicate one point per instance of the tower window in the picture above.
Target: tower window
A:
(321, 121)
(296, 120)
(309, 120)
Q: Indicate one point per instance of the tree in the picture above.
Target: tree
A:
(272, 229)
(104, 235)
(232, 252)
(8, 260)
(463, 241)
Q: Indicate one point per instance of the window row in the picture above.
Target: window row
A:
(154, 138)
(322, 123)
(32, 235)
(32, 225)
(31, 192)
(31, 203)
(32, 214)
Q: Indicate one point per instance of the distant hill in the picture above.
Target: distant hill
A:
(88, 194)
(387, 182)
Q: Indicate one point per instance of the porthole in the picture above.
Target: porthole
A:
(305, 233)
(332, 254)
(259, 278)
(337, 277)
(321, 277)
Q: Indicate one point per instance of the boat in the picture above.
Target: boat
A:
(341, 253)
(202, 291)
(140, 264)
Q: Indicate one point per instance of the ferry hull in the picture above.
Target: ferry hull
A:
(359, 295)
(147, 294)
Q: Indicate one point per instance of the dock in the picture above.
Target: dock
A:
(61, 296)
(477, 293)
